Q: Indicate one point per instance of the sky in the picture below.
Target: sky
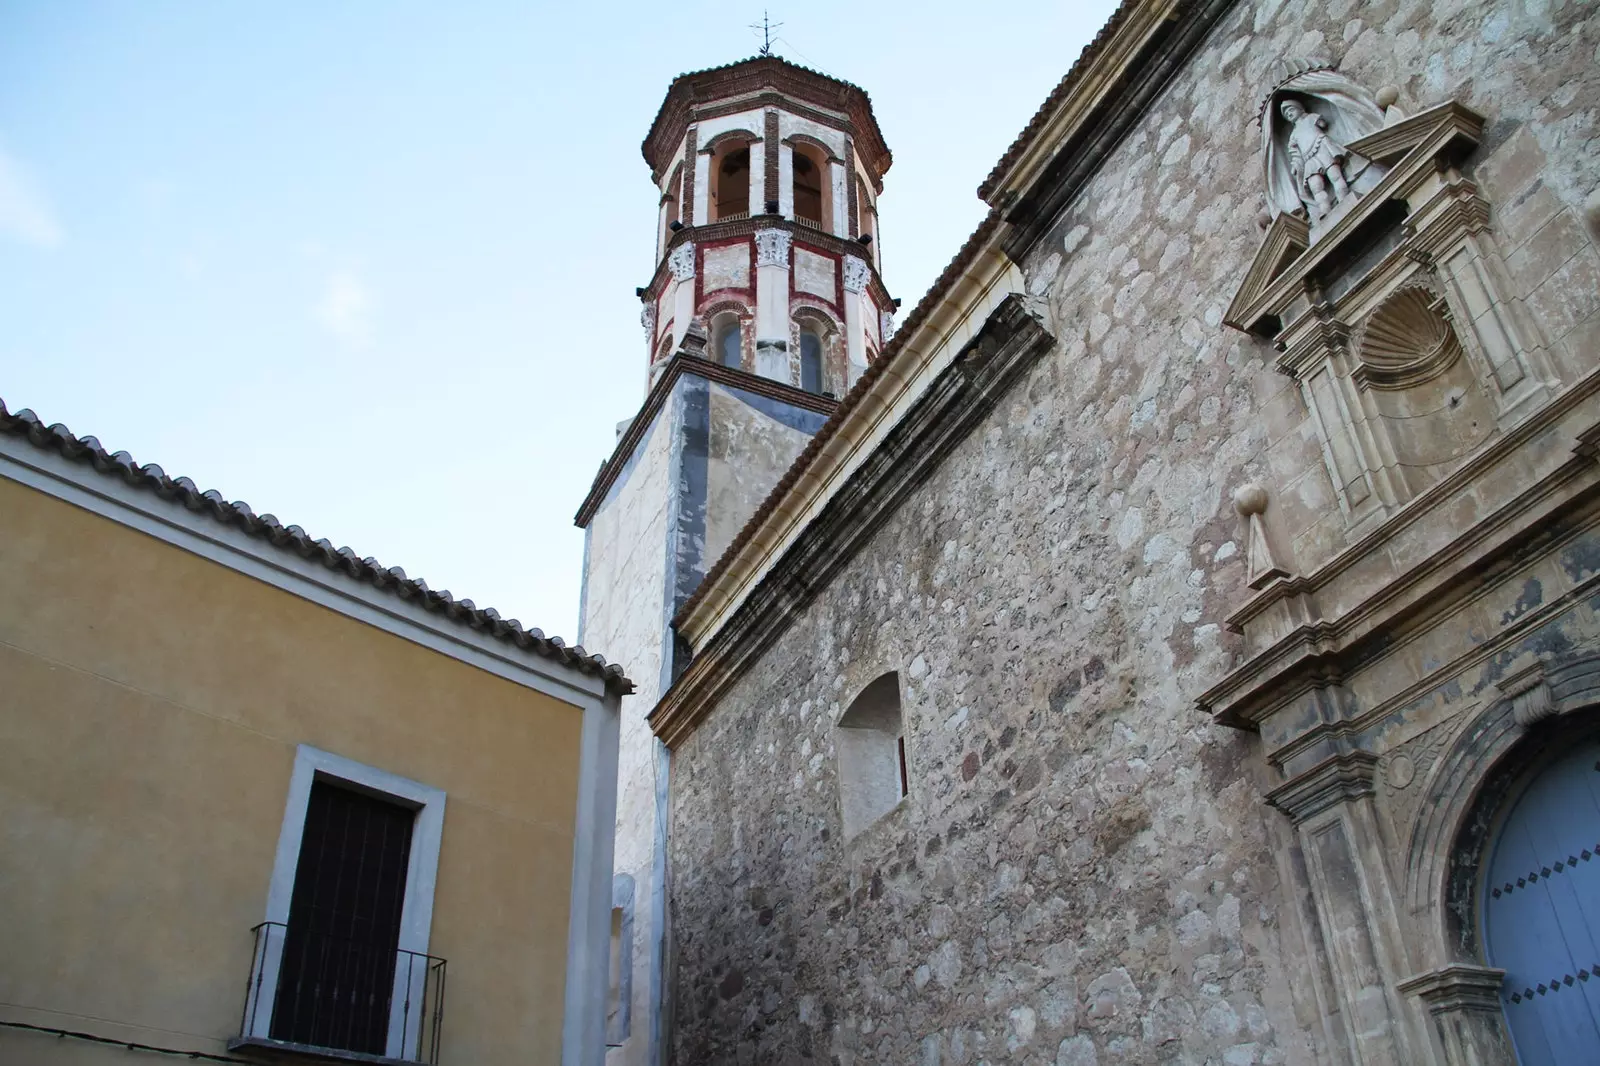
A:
(370, 267)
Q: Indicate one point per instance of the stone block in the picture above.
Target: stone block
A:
(1570, 294)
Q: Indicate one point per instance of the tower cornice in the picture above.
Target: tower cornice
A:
(758, 82)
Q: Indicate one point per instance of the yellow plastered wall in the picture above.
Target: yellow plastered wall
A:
(150, 706)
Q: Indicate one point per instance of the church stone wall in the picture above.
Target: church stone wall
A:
(1086, 870)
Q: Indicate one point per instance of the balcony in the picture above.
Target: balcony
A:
(334, 999)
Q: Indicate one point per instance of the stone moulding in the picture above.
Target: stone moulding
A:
(1342, 777)
(1098, 103)
(1313, 648)
(951, 407)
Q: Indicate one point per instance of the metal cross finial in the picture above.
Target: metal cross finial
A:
(766, 29)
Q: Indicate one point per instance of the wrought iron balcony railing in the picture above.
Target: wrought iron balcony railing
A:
(314, 992)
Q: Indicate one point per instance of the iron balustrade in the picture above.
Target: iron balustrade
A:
(311, 990)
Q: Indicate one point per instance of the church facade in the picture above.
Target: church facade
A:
(1180, 641)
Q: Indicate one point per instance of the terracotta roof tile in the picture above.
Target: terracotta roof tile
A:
(181, 492)
(1065, 86)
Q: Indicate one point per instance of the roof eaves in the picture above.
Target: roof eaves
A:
(182, 492)
(1063, 89)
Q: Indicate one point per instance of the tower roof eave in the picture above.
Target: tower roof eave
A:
(750, 76)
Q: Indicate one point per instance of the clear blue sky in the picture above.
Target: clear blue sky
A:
(370, 266)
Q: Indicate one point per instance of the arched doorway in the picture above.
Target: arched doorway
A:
(1540, 908)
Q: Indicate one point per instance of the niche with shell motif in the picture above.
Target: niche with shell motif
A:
(1413, 381)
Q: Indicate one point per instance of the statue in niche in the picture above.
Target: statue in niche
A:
(1308, 119)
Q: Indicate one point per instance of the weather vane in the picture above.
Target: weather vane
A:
(765, 28)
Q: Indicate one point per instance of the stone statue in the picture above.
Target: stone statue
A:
(1316, 160)
(1308, 118)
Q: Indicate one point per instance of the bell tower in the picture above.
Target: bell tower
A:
(768, 236)
(764, 308)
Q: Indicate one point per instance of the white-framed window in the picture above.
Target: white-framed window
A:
(349, 910)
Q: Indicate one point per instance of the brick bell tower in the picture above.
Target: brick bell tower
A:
(769, 176)
(765, 307)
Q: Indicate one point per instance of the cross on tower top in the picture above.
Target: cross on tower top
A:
(765, 28)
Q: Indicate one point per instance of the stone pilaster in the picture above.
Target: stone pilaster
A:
(1356, 906)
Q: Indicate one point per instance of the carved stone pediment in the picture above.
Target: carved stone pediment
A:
(1290, 271)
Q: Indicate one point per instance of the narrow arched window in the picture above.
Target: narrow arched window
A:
(864, 215)
(810, 180)
(810, 360)
(871, 745)
(731, 183)
(726, 340)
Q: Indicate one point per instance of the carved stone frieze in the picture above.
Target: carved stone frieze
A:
(647, 319)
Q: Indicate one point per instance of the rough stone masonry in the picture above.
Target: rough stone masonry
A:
(1085, 870)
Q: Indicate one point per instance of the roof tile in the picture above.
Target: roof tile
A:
(267, 527)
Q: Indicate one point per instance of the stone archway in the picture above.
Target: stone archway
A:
(1535, 715)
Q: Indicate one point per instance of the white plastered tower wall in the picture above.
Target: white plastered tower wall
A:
(793, 280)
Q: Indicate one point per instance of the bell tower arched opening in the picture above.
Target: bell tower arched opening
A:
(730, 180)
(813, 199)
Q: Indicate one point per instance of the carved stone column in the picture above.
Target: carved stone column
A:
(772, 303)
(1463, 1002)
(1331, 805)
(682, 264)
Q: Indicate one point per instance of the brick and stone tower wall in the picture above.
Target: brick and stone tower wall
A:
(765, 306)
(769, 176)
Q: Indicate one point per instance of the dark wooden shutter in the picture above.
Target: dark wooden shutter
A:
(344, 922)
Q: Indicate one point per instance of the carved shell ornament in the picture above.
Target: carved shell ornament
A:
(1407, 340)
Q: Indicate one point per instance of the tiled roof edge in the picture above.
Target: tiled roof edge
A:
(181, 492)
(1069, 81)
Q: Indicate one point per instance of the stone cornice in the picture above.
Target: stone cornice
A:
(682, 363)
(1314, 648)
(1346, 776)
(1147, 43)
(1457, 987)
(943, 414)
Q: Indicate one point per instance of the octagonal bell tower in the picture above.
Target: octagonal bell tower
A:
(768, 234)
(765, 306)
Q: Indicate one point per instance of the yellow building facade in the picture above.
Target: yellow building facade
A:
(260, 799)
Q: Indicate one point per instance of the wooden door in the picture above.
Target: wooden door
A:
(1541, 913)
